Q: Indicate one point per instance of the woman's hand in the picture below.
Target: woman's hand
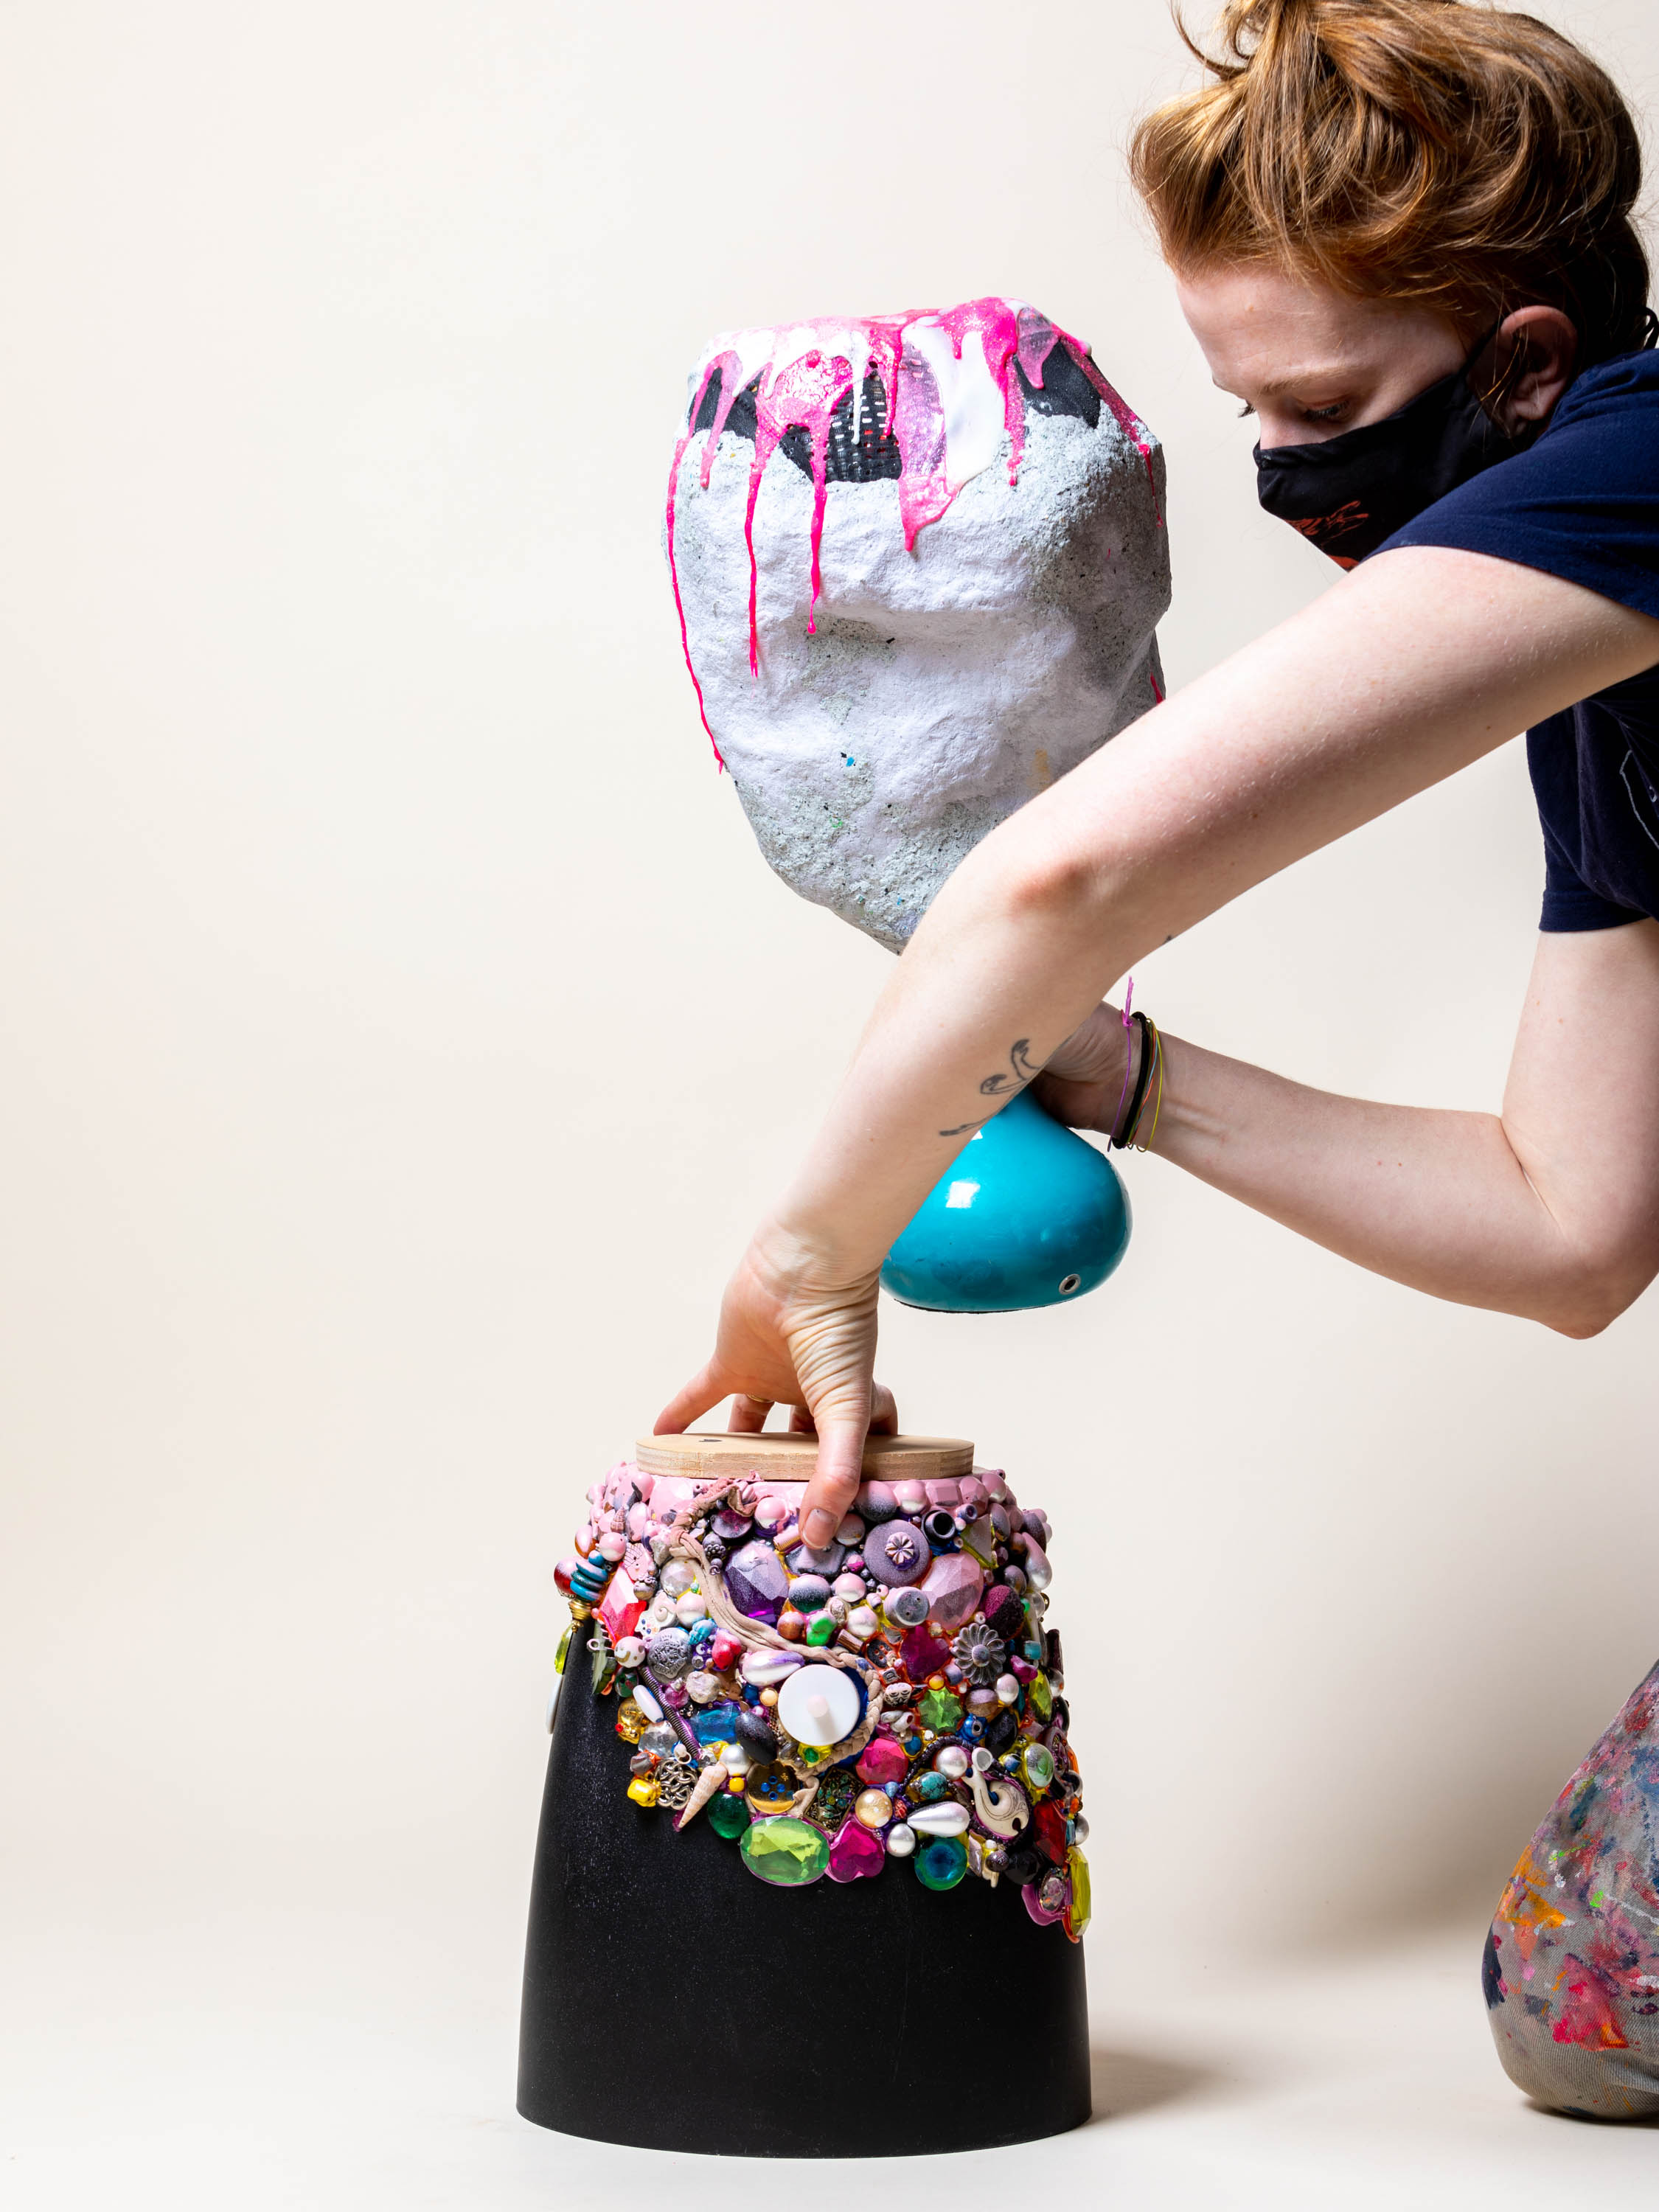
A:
(1082, 1084)
(793, 1333)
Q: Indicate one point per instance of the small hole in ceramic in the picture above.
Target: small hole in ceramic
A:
(1069, 1284)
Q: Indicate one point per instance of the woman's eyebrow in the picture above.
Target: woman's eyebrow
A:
(1300, 379)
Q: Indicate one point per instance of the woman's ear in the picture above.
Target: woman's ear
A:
(1532, 355)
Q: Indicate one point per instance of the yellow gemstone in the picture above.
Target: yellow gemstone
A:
(642, 1790)
(1077, 1912)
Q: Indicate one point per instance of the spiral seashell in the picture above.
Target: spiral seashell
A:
(708, 1784)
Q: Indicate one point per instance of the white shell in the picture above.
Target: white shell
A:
(553, 1700)
(818, 1705)
(947, 1820)
(762, 1665)
(702, 1688)
(901, 1840)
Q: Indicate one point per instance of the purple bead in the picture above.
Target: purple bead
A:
(755, 1582)
(896, 1553)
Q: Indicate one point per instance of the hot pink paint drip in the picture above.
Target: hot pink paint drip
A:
(807, 370)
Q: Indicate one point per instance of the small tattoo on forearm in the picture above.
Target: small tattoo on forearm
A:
(1003, 1083)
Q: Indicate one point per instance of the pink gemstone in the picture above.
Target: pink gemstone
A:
(856, 1853)
(923, 1655)
(619, 1608)
(882, 1760)
(943, 1493)
(951, 1587)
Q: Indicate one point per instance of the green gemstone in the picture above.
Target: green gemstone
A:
(1077, 1916)
(1037, 1764)
(939, 1712)
(941, 1863)
(728, 1814)
(1042, 1697)
(564, 1648)
(822, 1628)
(788, 1852)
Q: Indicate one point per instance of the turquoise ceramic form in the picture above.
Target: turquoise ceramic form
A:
(1027, 1214)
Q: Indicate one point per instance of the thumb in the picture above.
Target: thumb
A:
(835, 1483)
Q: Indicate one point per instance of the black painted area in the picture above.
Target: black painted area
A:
(674, 2001)
(874, 454)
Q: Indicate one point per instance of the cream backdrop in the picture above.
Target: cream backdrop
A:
(401, 1031)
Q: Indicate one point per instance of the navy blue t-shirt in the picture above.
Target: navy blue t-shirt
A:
(1582, 502)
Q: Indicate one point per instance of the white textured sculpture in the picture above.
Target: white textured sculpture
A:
(941, 595)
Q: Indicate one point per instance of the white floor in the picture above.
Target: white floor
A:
(301, 2066)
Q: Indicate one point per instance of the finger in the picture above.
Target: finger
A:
(690, 1403)
(748, 1414)
(884, 1413)
(834, 1484)
(801, 1423)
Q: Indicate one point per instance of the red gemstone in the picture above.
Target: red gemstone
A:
(1050, 1824)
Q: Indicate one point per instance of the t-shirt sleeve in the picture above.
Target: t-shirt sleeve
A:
(1569, 904)
(1583, 503)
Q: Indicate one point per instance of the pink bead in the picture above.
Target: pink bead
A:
(951, 1587)
(882, 1760)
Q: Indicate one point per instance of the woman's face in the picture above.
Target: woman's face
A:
(1309, 362)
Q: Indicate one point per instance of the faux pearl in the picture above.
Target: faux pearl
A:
(901, 1840)
(874, 1808)
(690, 1608)
(952, 1761)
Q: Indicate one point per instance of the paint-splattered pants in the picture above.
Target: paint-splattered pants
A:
(1572, 1966)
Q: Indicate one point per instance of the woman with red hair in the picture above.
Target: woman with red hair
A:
(1400, 232)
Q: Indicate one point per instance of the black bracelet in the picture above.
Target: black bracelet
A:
(1138, 1098)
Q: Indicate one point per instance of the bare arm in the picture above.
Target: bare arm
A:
(1421, 662)
(1549, 1209)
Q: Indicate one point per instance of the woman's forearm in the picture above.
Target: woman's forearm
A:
(1435, 1200)
(1398, 677)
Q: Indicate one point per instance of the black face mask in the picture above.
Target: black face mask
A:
(1349, 493)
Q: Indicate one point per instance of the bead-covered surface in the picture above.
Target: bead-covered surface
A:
(892, 1706)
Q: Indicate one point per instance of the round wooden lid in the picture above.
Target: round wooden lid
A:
(705, 1453)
